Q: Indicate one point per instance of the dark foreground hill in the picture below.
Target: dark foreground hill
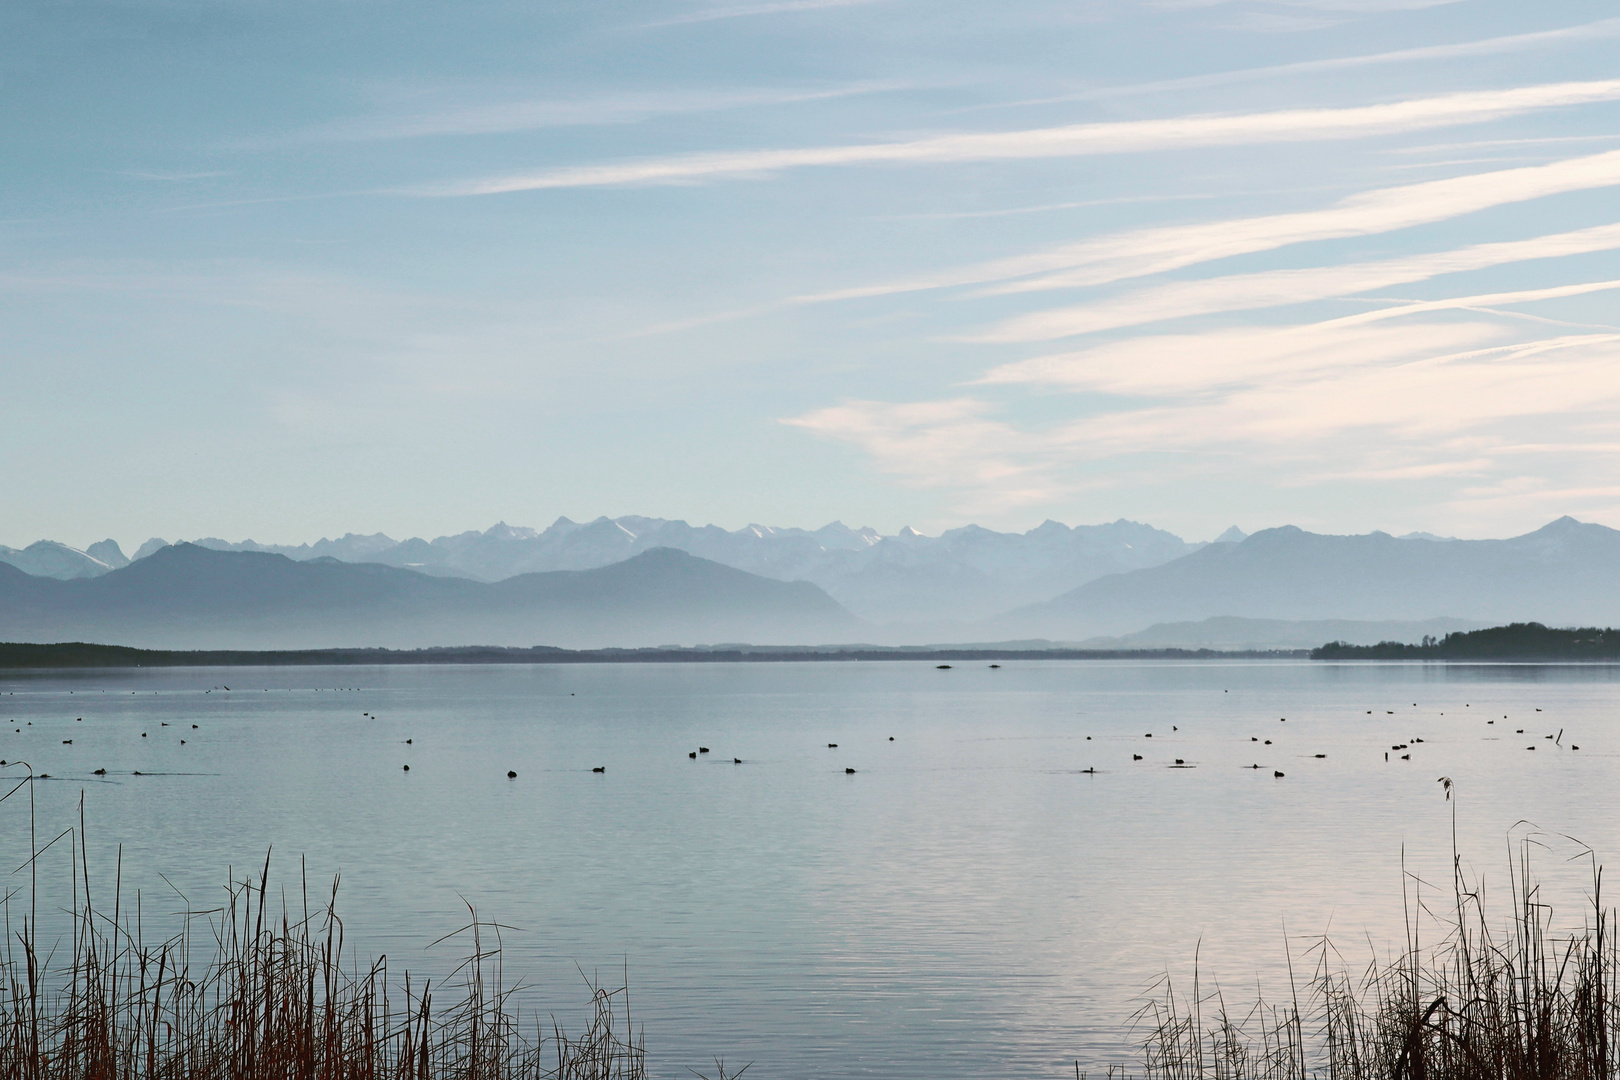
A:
(186, 596)
(1519, 641)
(1566, 573)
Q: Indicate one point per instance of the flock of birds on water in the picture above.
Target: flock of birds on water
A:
(511, 774)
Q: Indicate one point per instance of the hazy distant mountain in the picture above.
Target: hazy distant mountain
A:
(186, 596)
(47, 558)
(962, 575)
(1565, 573)
(108, 552)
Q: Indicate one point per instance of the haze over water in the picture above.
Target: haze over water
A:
(968, 903)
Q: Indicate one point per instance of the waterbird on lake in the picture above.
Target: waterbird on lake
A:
(942, 667)
(1408, 757)
(67, 742)
(1277, 774)
(832, 746)
(600, 769)
(407, 742)
(1179, 761)
(849, 772)
(736, 761)
(891, 738)
(511, 774)
(703, 749)
(1089, 772)
(692, 754)
(1136, 757)
(407, 768)
(1321, 755)
(99, 772)
(995, 665)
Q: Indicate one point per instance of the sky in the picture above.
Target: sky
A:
(290, 269)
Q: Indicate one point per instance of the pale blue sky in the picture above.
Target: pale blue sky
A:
(285, 269)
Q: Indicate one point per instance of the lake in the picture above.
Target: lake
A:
(970, 902)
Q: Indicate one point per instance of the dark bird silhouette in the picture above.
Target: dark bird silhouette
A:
(849, 772)
(1136, 757)
(736, 761)
(600, 769)
(511, 774)
(1277, 774)
(832, 746)
(692, 754)
(99, 772)
(703, 749)
(407, 768)
(943, 667)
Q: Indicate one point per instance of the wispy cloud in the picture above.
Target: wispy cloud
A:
(1072, 140)
(1425, 406)
(1276, 288)
(1139, 252)
(534, 114)
(740, 11)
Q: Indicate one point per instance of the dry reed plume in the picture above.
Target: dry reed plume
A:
(253, 990)
(1520, 1003)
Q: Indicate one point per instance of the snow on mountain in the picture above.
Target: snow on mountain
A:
(47, 558)
(960, 575)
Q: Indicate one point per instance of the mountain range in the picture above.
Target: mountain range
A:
(186, 596)
(1137, 587)
(1564, 573)
(961, 575)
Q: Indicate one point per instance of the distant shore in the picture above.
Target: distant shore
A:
(1516, 641)
(76, 654)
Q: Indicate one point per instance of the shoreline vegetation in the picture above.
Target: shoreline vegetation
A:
(1527, 641)
(78, 654)
(1517, 641)
(258, 988)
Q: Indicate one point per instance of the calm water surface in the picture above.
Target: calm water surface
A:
(970, 903)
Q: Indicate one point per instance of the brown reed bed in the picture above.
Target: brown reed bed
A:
(258, 989)
(1486, 1000)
